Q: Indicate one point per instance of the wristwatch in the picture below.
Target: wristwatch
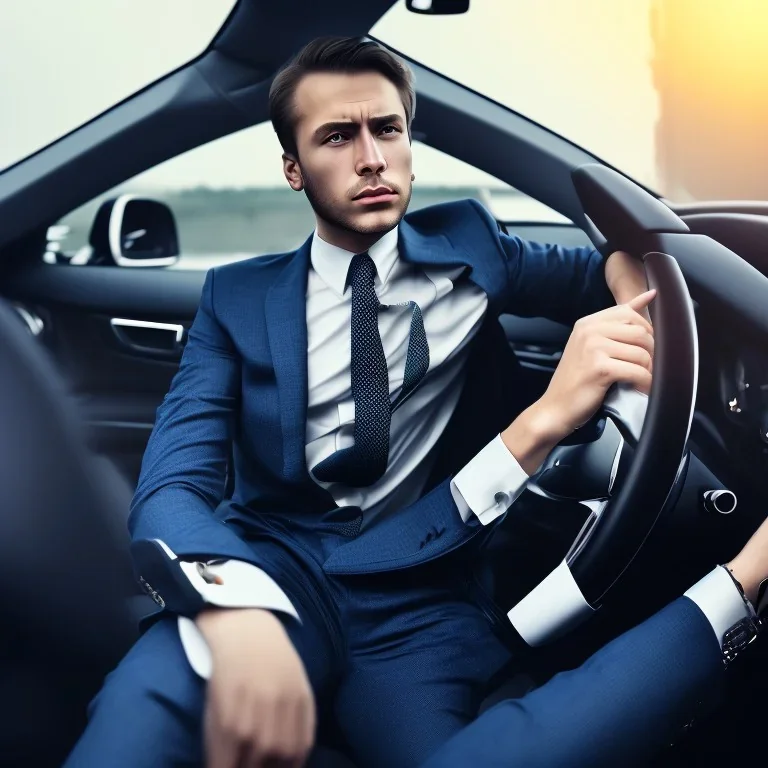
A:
(187, 586)
(745, 631)
(174, 584)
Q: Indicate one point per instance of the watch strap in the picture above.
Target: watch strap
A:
(745, 631)
(160, 574)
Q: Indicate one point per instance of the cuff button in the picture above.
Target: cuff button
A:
(502, 499)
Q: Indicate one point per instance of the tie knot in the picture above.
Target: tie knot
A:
(362, 270)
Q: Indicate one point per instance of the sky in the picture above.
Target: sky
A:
(580, 67)
(554, 60)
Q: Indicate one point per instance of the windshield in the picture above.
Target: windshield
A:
(672, 92)
(64, 62)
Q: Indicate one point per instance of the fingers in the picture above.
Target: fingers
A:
(629, 353)
(628, 314)
(642, 301)
(274, 733)
(621, 371)
(597, 338)
(307, 726)
(223, 749)
(286, 739)
(627, 333)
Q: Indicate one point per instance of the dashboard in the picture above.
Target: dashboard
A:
(731, 421)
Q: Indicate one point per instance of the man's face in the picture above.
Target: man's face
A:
(354, 160)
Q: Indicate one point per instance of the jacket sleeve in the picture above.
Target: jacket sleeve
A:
(184, 468)
(551, 281)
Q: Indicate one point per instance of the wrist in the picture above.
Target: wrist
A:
(625, 277)
(215, 623)
(746, 574)
(533, 435)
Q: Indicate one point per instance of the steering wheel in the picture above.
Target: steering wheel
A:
(623, 506)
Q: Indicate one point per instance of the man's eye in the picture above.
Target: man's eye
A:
(389, 129)
(335, 138)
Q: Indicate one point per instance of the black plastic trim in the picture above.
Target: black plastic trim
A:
(619, 208)
(135, 293)
(743, 233)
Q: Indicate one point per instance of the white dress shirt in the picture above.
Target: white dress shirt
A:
(453, 311)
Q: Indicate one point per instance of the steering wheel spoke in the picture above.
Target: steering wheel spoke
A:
(627, 407)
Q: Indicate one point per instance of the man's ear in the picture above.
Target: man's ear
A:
(292, 172)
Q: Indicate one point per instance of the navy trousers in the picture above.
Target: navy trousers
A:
(621, 707)
(398, 661)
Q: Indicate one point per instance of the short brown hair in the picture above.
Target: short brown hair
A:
(334, 54)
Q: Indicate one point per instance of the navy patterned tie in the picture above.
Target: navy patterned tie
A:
(365, 462)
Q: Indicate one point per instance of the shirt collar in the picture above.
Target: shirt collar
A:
(332, 263)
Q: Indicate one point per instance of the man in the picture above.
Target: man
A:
(368, 390)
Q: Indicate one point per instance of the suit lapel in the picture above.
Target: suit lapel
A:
(286, 314)
(440, 251)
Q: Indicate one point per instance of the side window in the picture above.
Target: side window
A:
(441, 178)
(230, 201)
(228, 198)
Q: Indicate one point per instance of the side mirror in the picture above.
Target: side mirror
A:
(133, 231)
(437, 7)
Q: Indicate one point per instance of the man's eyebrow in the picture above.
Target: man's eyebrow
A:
(336, 125)
(386, 119)
(349, 125)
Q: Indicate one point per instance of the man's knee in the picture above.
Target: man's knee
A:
(156, 667)
(149, 708)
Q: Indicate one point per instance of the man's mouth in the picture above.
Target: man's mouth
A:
(372, 195)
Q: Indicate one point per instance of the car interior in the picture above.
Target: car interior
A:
(90, 350)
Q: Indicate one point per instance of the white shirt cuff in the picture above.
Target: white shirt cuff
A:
(719, 600)
(243, 586)
(489, 484)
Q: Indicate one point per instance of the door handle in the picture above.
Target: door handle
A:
(531, 353)
(145, 336)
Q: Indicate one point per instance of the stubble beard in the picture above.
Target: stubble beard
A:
(330, 212)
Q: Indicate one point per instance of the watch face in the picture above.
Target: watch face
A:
(739, 636)
(147, 587)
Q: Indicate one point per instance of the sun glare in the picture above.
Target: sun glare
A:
(710, 69)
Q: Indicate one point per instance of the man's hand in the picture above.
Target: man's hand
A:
(259, 710)
(615, 345)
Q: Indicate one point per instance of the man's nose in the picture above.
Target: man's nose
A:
(370, 160)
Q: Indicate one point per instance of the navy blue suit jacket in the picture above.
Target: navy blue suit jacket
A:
(242, 381)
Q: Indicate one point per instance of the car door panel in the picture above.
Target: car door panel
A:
(162, 294)
(116, 335)
(118, 389)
